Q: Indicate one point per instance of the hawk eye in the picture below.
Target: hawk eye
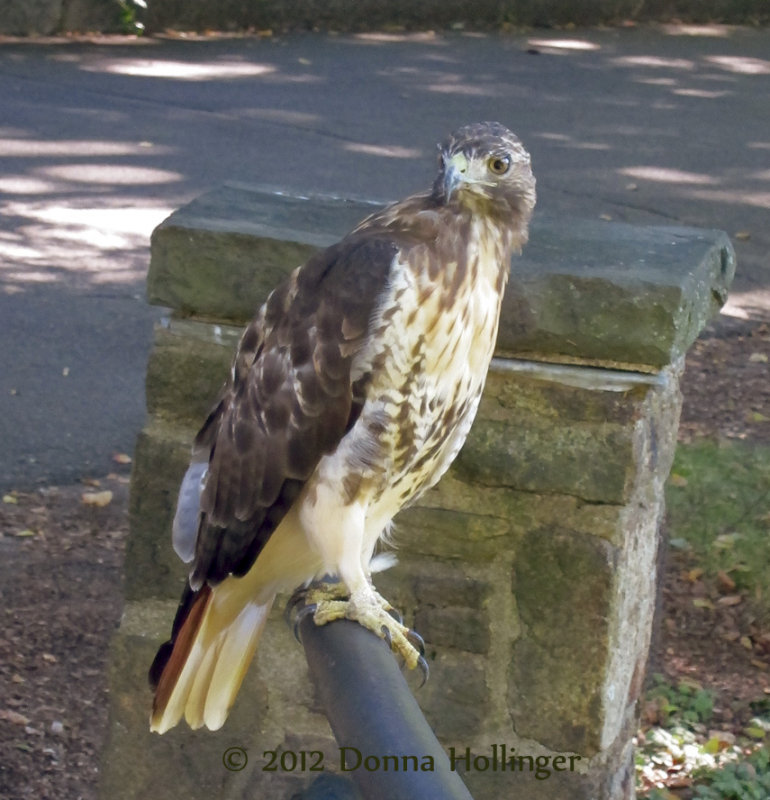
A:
(499, 165)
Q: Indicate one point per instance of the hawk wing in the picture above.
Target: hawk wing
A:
(290, 399)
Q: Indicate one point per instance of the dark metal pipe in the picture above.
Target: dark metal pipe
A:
(372, 713)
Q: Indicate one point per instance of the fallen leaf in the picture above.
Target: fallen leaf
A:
(16, 678)
(9, 498)
(605, 217)
(726, 738)
(65, 372)
(759, 664)
(694, 574)
(50, 658)
(678, 480)
(26, 533)
(730, 600)
(726, 541)
(758, 358)
(13, 717)
(742, 235)
(702, 602)
(98, 499)
(726, 583)
(121, 458)
(746, 642)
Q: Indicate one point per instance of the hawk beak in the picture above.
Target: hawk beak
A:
(454, 174)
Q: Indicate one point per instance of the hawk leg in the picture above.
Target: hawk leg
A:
(331, 601)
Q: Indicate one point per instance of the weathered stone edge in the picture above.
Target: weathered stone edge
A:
(583, 292)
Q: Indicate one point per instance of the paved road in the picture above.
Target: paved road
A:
(99, 141)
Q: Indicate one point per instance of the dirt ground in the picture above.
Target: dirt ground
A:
(60, 584)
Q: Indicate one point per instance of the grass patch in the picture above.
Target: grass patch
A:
(718, 500)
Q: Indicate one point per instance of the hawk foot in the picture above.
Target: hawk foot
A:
(300, 604)
(330, 601)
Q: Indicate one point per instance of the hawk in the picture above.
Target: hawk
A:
(350, 394)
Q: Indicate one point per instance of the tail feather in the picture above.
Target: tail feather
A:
(192, 698)
(199, 672)
(237, 651)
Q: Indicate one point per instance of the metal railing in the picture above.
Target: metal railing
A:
(385, 742)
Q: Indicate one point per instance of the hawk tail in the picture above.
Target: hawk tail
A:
(198, 673)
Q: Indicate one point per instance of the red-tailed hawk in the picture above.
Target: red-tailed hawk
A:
(351, 393)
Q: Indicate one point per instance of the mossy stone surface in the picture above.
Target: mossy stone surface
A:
(275, 711)
(456, 700)
(631, 296)
(161, 456)
(582, 290)
(188, 366)
(220, 255)
(563, 585)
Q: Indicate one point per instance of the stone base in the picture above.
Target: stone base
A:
(530, 577)
(530, 569)
(276, 710)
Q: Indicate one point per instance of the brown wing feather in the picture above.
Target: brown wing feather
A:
(289, 401)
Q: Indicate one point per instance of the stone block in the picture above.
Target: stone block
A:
(364, 15)
(582, 292)
(545, 775)
(562, 583)
(87, 16)
(30, 17)
(537, 432)
(202, 764)
(521, 510)
(188, 366)
(152, 567)
(614, 294)
(220, 255)
(450, 625)
(456, 700)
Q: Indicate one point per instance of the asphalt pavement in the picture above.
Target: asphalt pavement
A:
(100, 140)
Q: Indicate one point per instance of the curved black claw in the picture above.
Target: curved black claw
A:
(297, 599)
(416, 641)
(386, 635)
(424, 669)
(301, 614)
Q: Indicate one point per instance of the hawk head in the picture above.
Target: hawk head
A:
(485, 167)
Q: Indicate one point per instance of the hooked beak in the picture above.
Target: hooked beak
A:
(454, 174)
